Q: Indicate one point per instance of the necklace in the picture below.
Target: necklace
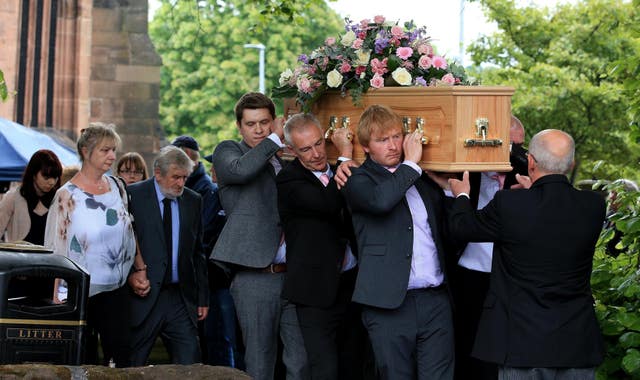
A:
(99, 186)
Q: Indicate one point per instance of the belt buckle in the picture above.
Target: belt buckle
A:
(271, 268)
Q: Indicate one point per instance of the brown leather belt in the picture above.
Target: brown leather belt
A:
(273, 268)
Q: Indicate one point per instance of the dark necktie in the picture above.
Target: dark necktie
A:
(166, 223)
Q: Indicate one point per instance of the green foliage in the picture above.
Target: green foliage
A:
(616, 288)
(565, 66)
(289, 10)
(206, 68)
(4, 93)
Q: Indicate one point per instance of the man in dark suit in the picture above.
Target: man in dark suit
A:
(538, 320)
(321, 268)
(252, 242)
(470, 277)
(398, 214)
(169, 277)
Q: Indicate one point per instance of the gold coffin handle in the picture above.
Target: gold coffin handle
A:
(482, 124)
(420, 128)
(406, 122)
(333, 120)
(346, 120)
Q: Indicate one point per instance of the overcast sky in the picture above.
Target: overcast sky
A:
(441, 17)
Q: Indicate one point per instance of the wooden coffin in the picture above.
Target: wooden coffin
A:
(465, 127)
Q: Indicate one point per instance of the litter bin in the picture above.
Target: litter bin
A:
(33, 328)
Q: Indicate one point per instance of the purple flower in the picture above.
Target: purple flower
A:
(303, 58)
(380, 44)
(419, 81)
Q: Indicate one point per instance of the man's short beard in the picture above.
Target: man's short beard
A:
(168, 194)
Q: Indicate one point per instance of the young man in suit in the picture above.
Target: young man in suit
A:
(169, 277)
(398, 214)
(321, 266)
(252, 241)
(538, 320)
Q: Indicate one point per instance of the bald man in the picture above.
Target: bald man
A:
(538, 319)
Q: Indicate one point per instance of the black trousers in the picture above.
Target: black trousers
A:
(469, 291)
(334, 337)
(109, 317)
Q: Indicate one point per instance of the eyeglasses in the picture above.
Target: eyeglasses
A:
(532, 156)
(138, 173)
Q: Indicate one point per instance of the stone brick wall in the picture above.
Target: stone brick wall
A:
(106, 69)
(125, 74)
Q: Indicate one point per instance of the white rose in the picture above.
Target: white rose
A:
(334, 78)
(285, 76)
(348, 38)
(402, 76)
(362, 57)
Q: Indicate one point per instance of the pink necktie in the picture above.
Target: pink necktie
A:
(500, 178)
(324, 178)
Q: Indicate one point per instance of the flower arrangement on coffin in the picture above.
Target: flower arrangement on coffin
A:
(370, 54)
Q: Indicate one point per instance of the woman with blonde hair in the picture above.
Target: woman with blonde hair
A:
(90, 224)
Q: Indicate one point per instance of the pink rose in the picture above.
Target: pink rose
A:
(425, 49)
(357, 44)
(304, 85)
(377, 81)
(345, 67)
(448, 79)
(378, 19)
(330, 41)
(407, 65)
(379, 67)
(362, 35)
(397, 31)
(364, 24)
(360, 70)
(439, 62)
(425, 62)
(404, 52)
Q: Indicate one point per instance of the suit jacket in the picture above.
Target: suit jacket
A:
(316, 230)
(247, 189)
(384, 229)
(539, 308)
(192, 268)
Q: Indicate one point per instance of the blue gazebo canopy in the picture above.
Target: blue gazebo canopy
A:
(17, 145)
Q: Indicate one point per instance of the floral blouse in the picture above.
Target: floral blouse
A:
(94, 231)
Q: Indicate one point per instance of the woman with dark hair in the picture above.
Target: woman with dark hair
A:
(89, 223)
(131, 168)
(23, 211)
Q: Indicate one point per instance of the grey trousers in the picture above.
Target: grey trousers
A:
(170, 320)
(414, 341)
(263, 316)
(511, 373)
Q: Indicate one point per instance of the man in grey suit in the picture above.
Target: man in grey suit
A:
(398, 216)
(252, 239)
(169, 277)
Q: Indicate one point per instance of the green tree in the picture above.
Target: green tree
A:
(4, 93)
(561, 62)
(206, 68)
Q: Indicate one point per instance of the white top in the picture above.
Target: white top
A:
(95, 232)
(477, 256)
